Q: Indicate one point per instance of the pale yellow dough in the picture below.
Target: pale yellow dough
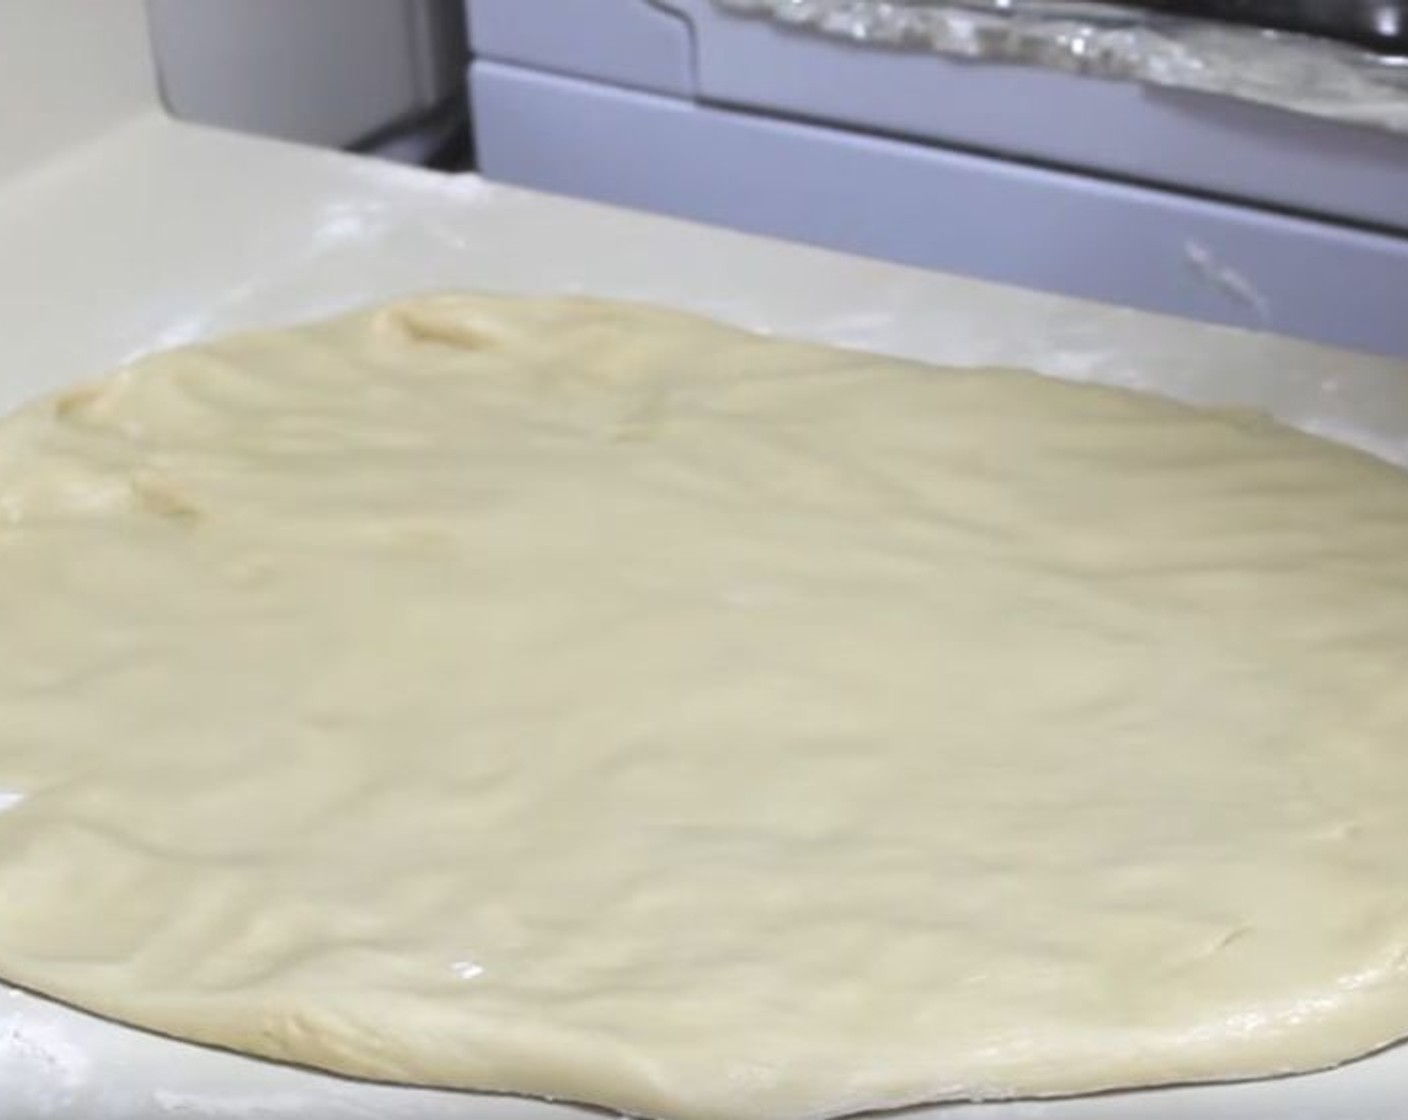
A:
(584, 700)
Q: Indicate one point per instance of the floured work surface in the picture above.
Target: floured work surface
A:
(577, 699)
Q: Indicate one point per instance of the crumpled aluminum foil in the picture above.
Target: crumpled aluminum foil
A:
(1296, 72)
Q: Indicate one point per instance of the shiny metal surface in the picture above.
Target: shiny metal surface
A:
(1381, 25)
(1210, 46)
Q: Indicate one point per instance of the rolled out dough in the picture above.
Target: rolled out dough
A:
(577, 699)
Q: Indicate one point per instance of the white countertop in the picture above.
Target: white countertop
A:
(140, 234)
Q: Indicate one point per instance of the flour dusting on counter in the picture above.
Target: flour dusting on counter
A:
(49, 1067)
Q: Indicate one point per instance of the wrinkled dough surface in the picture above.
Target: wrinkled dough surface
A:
(585, 700)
